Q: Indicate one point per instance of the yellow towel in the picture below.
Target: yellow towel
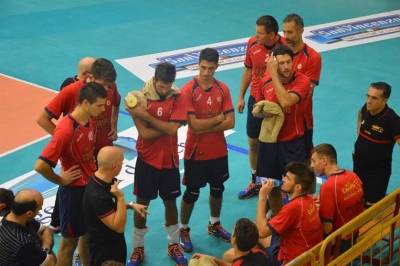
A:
(271, 125)
(149, 91)
(203, 261)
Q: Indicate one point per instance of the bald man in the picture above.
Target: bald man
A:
(105, 209)
(83, 70)
(24, 241)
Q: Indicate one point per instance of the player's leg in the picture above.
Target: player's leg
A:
(253, 127)
(217, 178)
(170, 190)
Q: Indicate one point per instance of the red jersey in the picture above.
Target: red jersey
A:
(308, 62)
(73, 144)
(256, 54)
(341, 199)
(162, 152)
(299, 227)
(205, 104)
(293, 126)
(103, 121)
(66, 100)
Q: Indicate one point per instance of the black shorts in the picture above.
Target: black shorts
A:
(273, 157)
(375, 181)
(150, 182)
(253, 124)
(72, 224)
(200, 172)
(273, 250)
(308, 142)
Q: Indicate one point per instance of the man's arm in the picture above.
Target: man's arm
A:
(114, 122)
(44, 121)
(168, 128)
(327, 227)
(261, 216)
(47, 238)
(219, 262)
(228, 123)
(246, 80)
(146, 132)
(117, 220)
(47, 172)
(398, 141)
(204, 125)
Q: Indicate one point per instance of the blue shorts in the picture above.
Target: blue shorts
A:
(72, 224)
(200, 172)
(150, 181)
(253, 124)
(273, 250)
(273, 157)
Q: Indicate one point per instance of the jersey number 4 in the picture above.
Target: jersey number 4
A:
(209, 102)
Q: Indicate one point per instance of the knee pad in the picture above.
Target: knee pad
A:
(191, 195)
(217, 191)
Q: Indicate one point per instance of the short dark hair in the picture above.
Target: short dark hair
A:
(246, 234)
(103, 69)
(282, 50)
(91, 91)
(303, 174)
(383, 86)
(20, 208)
(209, 55)
(7, 198)
(326, 150)
(298, 21)
(165, 72)
(269, 22)
(112, 263)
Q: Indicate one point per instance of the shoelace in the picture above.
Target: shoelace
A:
(220, 228)
(251, 186)
(185, 235)
(175, 250)
(136, 253)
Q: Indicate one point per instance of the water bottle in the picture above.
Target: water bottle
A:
(260, 179)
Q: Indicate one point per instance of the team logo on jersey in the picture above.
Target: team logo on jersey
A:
(108, 103)
(90, 135)
(299, 66)
(219, 99)
(377, 128)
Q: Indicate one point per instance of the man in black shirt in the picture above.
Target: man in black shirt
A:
(378, 130)
(24, 241)
(105, 209)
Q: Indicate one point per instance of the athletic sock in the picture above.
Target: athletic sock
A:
(173, 234)
(138, 237)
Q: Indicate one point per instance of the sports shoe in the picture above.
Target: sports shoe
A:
(176, 255)
(55, 229)
(218, 231)
(250, 191)
(77, 261)
(137, 257)
(184, 240)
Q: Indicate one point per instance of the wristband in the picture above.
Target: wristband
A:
(131, 205)
(46, 250)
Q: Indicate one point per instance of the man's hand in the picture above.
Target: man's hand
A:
(141, 209)
(116, 191)
(69, 176)
(266, 188)
(113, 135)
(272, 64)
(240, 105)
(138, 111)
(316, 200)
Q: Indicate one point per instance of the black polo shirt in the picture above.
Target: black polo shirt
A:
(21, 245)
(378, 134)
(104, 243)
(68, 81)
(256, 257)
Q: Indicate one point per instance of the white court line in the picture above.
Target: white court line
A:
(27, 82)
